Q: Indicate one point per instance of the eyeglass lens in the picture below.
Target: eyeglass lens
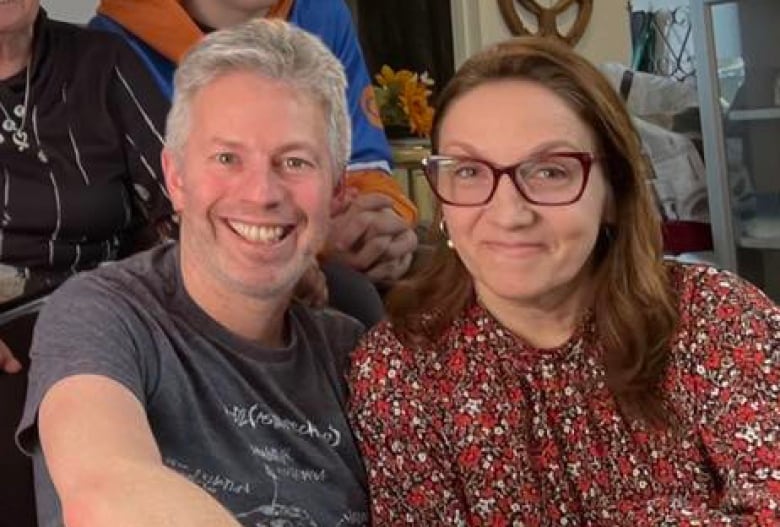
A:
(546, 180)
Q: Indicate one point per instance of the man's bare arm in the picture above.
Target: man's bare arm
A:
(105, 463)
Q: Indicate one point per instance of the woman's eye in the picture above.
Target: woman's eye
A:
(551, 173)
(226, 158)
(466, 172)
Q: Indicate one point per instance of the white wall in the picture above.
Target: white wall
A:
(74, 11)
(478, 23)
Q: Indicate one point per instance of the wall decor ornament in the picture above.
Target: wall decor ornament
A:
(547, 18)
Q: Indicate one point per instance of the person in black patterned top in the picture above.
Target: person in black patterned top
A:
(548, 367)
(81, 125)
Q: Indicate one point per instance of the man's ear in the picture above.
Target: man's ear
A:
(338, 200)
(172, 170)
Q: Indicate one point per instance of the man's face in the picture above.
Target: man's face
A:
(253, 186)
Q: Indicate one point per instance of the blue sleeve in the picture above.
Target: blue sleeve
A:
(332, 22)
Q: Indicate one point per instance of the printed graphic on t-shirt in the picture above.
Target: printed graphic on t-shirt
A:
(280, 474)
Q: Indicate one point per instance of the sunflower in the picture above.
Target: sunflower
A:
(402, 97)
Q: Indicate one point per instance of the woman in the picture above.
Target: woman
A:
(80, 183)
(547, 367)
(80, 142)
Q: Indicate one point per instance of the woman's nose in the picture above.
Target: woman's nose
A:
(508, 204)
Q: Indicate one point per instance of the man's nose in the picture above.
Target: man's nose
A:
(264, 183)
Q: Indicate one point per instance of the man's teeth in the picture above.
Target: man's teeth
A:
(258, 233)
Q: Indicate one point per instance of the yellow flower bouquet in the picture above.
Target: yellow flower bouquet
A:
(402, 98)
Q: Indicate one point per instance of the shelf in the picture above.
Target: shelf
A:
(408, 153)
(750, 242)
(757, 114)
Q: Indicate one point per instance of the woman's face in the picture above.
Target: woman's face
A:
(17, 15)
(518, 253)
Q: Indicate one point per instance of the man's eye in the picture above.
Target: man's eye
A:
(297, 163)
(226, 158)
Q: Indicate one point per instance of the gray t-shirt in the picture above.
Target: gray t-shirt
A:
(262, 430)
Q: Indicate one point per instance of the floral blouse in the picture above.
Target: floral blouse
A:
(485, 430)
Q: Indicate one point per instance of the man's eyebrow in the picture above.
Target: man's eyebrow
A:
(225, 142)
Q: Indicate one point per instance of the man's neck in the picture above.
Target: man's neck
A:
(214, 14)
(15, 51)
(257, 320)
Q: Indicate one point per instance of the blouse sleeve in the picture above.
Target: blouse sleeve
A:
(140, 110)
(736, 387)
(410, 481)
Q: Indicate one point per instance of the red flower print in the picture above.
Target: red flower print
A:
(726, 311)
(664, 471)
(462, 420)
(416, 498)
(470, 330)
(488, 421)
(379, 371)
(382, 408)
(470, 457)
(497, 520)
(457, 362)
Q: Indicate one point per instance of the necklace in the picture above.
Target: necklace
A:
(18, 134)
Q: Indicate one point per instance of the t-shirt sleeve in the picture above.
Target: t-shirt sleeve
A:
(84, 328)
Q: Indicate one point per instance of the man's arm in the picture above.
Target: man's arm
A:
(105, 463)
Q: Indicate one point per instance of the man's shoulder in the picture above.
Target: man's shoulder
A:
(327, 321)
(329, 330)
(139, 277)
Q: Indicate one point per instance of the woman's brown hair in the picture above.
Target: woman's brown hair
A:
(637, 313)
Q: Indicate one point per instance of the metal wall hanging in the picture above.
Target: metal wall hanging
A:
(547, 18)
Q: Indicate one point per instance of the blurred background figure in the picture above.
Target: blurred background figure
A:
(373, 232)
(81, 123)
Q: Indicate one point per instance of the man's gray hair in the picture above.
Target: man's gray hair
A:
(273, 49)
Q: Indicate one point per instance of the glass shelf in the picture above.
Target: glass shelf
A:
(749, 242)
(755, 114)
(738, 71)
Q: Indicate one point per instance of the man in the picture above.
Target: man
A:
(373, 232)
(181, 386)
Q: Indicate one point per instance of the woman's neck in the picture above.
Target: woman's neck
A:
(543, 323)
(15, 51)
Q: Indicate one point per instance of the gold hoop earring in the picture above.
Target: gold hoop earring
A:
(443, 230)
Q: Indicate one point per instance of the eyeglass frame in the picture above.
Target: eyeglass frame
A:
(586, 160)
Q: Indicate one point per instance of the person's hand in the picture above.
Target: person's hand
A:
(312, 288)
(369, 236)
(8, 362)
